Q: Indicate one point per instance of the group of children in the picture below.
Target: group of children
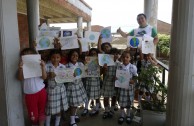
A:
(42, 102)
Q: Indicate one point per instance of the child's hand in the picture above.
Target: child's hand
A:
(131, 82)
(74, 74)
(105, 67)
(42, 63)
(56, 43)
(34, 44)
(51, 74)
(119, 30)
(20, 66)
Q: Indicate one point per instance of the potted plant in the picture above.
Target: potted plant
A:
(149, 78)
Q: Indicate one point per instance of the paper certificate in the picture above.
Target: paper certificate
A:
(68, 32)
(44, 42)
(69, 43)
(134, 42)
(106, 35)
(92, 69)
(31, 66)
(123, 78)
(147, 45)
(92, 37)
(79, 72)
(106, 59)
(64, 75)
(84, 43)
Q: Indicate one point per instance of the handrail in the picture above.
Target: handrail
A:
(166, 67)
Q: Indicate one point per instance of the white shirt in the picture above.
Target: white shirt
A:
(33, 85)
(131, 68)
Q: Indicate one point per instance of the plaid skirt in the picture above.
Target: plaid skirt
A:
(93, 87)
(76, 93)
(126, 97)
(108, 87)
(57, 99)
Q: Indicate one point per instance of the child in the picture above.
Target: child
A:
(75, 90)
(146, 61)
(92, 88)
(57, 99)
(126, 95)
(35, 93)
(108, 88)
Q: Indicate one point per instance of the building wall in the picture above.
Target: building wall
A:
(163, 27)
(23, 30)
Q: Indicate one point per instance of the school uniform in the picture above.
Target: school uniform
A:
(57, 97)
(76, 93)
(126, 96)
(108, 87)
(93, 87)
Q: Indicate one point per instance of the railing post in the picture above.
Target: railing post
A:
(163, 76)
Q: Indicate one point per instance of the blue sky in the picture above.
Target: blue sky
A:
(122, 13)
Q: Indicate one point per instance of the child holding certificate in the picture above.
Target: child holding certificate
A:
(126, 94)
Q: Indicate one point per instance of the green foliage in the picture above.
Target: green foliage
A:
(164, 44)
(150, 77)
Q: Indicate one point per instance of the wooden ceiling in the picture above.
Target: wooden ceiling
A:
(56, 11)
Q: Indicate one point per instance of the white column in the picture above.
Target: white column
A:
(33, 19)
(180, 107)
(11, 108)
(151, 11)
(79, 26)
(89, 25)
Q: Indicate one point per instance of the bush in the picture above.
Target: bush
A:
(164, 44)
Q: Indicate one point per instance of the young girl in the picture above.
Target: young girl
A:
(108, 88)
(126, 95)
(75, 90)
(35, 94)
(92, 88)
(57, 99)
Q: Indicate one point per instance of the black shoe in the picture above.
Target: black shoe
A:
(110, 114)
(105, 115)
(116, 108)
(73, 124)
(77, 119)
(120, 120)
(85, 112)
(94, 112)
(128, 120)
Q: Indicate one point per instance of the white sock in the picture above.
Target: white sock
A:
(57, 120)
(128, 112)
(122, 113)
(86, 104)
(72, 119)
(48, 120)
